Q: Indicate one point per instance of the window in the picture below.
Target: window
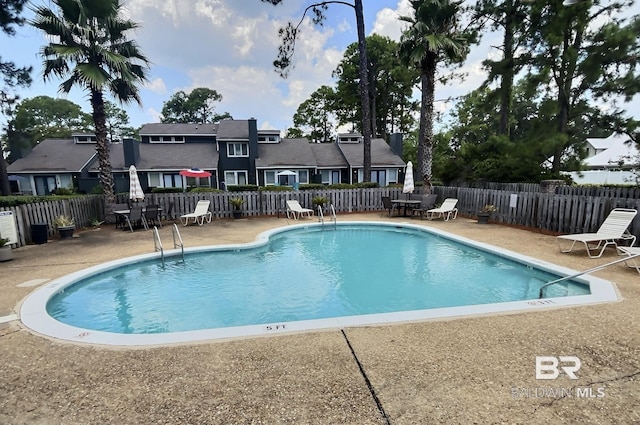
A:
(237, 149)
(172, 180)
(269, 178)
(154, 179)
(303, 176)
(379, 176)
(326, 176)
(166, 139)
(262, 138)
(232, 178)
(330, 176)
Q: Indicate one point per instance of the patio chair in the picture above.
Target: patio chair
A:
(296, 210)
(447, 210)
(612, 229)
(135, 218)
(426, 203)
(152, 215)
(199, 215)
(388, 205)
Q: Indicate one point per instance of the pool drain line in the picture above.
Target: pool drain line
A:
(372, 391)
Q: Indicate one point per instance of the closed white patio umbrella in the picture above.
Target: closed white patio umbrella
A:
(408, 179)
(135, 190)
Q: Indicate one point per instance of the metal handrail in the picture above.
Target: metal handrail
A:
(594, 269)
(158, 244)
(174, 232)
(333, 215)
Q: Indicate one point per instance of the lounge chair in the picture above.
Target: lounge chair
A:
(633, 252)
(295, 209)
(199, 215)
(612, 229)
(447, 210)
(426, 203)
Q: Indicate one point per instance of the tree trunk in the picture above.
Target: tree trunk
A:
(364, 91)
(102, 145)
(506, 84)
(5, 187)
(425, 136)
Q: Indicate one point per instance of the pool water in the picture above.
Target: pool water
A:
(301, 274)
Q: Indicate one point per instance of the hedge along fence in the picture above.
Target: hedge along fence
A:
(550, 213)
(83, 210)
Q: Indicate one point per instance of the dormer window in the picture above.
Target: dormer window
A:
(349, 138)
(166, 139)
(268, 138)
(84, 138)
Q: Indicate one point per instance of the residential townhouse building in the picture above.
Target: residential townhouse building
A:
(235, 152)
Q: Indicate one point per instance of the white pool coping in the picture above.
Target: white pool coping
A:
(34, 316)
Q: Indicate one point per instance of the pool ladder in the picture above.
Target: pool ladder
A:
(333, 215)
(594, 269)
(177, 241)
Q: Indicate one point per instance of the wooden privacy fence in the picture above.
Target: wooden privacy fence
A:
(82, 209)
(552, 213)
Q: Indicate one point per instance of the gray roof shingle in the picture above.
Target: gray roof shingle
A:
(381, 154)
(287, 153)
(233, 130)
(55, 155)
(167, 156)
(178, 129)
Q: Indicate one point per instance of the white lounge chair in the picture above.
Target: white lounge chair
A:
(295, 209)
(612, 229)
(447, 210)
(633, 252)
(199, 215)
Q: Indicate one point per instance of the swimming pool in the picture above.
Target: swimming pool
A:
(291, 279)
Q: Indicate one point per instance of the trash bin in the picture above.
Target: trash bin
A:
(39, 233)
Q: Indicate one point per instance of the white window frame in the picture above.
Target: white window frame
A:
(166, 139)
(233, 147)
(231, 177)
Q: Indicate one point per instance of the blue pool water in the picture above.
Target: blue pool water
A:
(300, 274)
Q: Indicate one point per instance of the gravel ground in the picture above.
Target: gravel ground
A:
(474, 370)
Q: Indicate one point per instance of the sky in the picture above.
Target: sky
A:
(229, 46)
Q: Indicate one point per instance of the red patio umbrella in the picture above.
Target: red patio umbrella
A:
(195, 172)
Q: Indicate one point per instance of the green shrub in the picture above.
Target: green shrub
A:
(242, 188)
(203, 189)
(166, 190)
(312, 186)
(366, 185)
(275, 188)
(340, 186)
(63, 191)
(97, 190)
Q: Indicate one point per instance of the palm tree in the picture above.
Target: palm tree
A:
(90, 49)
(431, 38)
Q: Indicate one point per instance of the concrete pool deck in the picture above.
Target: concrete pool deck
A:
(470, 370)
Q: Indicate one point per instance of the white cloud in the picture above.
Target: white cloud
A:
(156, 85)
(387, 20)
